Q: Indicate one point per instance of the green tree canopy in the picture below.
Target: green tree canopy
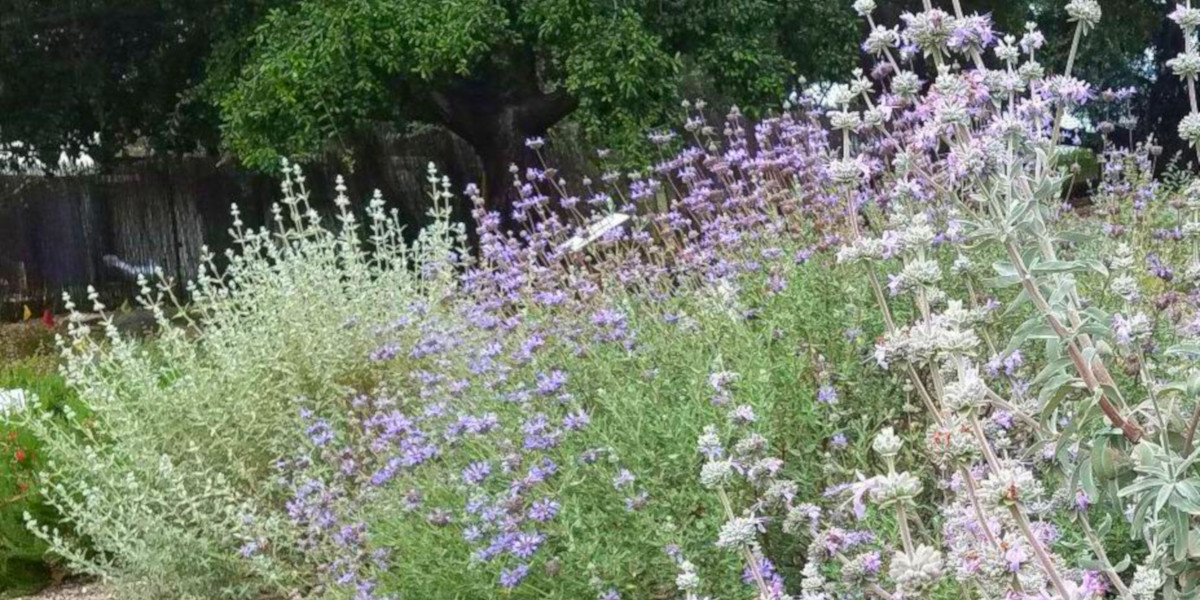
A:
(97, 76)
(262, 79)
(496, 72)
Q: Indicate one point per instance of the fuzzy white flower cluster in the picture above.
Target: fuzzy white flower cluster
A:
(966, 393)
(1085, 12)
(1013, 485)
(952, 443)
(930, 30)
(12, 402)
(1189, 129)
(739, 532)
(915, 572)
(844, 120)
(1186, 65)
(1188, 18)
(861, 250)
(921, 342)
(687, 580)
(716, 473)
(887, 444)
(1123, 283)
(916, 274)
(881, 39)
(895, 488)
(906, 84)
(1146, 582)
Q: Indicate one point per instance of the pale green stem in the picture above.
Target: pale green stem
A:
(1144, 375)
(747, 553)
(905, 534)
(1067, 73)
(973, 493)
(1039, 551)
(1102, 556)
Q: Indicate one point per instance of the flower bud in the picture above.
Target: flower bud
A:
(887, 443)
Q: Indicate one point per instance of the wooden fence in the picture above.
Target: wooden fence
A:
(65, 233)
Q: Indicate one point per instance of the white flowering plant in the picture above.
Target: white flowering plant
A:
(173, 464)
(1054, 353)
(343, 415)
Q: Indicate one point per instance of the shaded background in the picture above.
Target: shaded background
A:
(133, 70)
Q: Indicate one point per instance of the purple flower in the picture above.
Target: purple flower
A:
(511, 578)
(1159, 269)
(526, 545)
(1094, 585)
(1070, 91)
(1003, 419)
(1013, 362)
(742, 415)
(827, 395)
(1082, 501)
(1014, 557)
(972, 33)
(249, 549)
(872, 563)
(543, 510)
(385, 353)
(623, 479)
(576, 420)
(476, 472)
(320, 433)
(638, 501)
(542, 471)
(549, 383)
(386, 473)
(766, 572)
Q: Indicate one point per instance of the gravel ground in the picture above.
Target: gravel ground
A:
(75, 591)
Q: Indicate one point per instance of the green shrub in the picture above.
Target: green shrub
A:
(647, 409)
(23, 564)
(174, 467)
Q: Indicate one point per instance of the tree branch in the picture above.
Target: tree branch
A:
(545, 110)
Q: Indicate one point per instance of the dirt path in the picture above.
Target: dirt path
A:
(73, 591)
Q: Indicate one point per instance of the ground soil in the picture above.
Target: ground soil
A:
(74, 591)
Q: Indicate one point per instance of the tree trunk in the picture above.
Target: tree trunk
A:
(497, 124)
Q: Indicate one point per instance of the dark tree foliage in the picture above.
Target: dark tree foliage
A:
(263, 79)
(124, 73)
(497, 72)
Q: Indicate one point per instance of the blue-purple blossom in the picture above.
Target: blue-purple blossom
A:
(525, 545)
(476, 473)
(511, 578)
(320, 433)
(827, 395)
(623, 479)
(543, 510)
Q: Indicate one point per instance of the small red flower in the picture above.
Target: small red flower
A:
(20, 455)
